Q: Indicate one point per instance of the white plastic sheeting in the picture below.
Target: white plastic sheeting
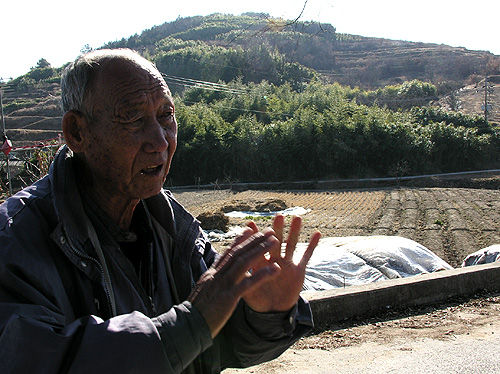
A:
(347, 261)
(353, 260)
(483, 256)
(294, 211)
(331, 267)
(219, 235)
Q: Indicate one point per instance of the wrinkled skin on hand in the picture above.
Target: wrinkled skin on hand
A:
(254, 268)
(219, 289)
(282, 292)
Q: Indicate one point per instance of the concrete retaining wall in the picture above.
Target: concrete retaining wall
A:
(336, 305)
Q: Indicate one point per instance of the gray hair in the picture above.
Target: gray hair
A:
(76, 80)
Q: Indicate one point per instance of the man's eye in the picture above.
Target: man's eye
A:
(133, 125)
(167, 117)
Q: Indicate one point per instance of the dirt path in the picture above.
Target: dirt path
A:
(455, 338)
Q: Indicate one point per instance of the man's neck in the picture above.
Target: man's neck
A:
(120, 210)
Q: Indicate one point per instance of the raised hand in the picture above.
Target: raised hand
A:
(281, 292)
(219, 289)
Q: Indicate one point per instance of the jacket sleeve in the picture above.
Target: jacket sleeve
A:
(29, 343)
(39, 332)
(33, 339)
(250, 338)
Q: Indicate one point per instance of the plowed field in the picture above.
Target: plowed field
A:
(451, 222)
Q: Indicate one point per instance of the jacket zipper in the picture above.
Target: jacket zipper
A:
(197, 361)
(85, 256)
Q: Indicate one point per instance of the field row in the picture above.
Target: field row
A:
(451, 222)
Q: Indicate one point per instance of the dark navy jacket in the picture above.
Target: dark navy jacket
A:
(69, 305)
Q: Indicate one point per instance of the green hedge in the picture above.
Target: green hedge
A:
(277, 134)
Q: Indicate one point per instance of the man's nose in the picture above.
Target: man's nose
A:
(156, 138)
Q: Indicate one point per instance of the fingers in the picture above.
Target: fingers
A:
(252, 253)
(293, 237)
(248, 248)
(248, 232)
(310, 250)
(258, 278)
(292, 240)
(253, 226)
(278, 226)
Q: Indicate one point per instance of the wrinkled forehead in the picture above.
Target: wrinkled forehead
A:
(123, 78)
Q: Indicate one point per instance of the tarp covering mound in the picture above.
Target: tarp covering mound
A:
(353, 260)
(294, 211)
(347, 261)
(483, 256)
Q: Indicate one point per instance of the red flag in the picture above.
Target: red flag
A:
(6, 147)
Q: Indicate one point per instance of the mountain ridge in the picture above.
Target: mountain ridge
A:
(266, 48)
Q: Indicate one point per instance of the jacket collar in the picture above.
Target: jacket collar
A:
(179, 223)
(74, 223)
(66, 197)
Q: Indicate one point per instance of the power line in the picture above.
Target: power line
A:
(188, 82)
(259, 71)
(244, 110)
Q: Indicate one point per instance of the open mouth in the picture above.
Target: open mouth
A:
(152, 170)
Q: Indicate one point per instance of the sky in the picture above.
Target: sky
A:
(57, 30)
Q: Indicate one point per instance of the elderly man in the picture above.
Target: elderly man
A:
(102, 271)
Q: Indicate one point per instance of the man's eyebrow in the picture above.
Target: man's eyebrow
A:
(132, 104)
(169, 105)
(127, 111)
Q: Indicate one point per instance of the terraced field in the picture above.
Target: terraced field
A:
(451, 222)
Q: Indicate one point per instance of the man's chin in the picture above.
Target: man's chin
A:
(152, 193)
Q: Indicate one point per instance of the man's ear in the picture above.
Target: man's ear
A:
(73, 126)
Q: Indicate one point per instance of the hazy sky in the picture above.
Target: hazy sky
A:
(57, 30)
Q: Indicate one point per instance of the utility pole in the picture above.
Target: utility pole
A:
(5, 143)
(486, 107)
(1, 106)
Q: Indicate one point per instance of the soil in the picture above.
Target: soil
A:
(439, 322)
(401, 339)
(450, 221)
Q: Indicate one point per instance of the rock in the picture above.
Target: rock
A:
(272, 205)
(266, 205)
(214, 221)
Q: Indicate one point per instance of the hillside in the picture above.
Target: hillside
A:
(374, 62)
(470, 99)
(38, 117)
(253, 47)
(349, 59)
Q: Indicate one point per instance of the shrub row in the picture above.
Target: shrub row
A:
(277, 134)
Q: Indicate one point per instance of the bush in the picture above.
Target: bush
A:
(428, 115)
(274, 133)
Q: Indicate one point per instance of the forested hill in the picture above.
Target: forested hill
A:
(254, 47)
(263, 99)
